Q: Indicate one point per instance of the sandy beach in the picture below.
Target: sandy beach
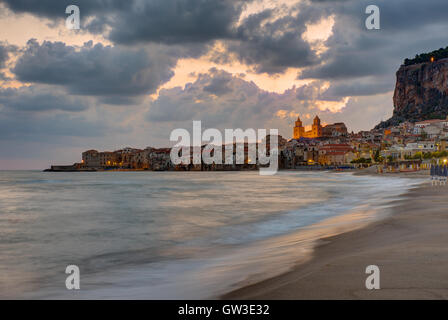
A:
(409, 246)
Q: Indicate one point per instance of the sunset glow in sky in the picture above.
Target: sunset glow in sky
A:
(138, 69)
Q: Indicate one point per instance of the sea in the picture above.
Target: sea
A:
(172, 235)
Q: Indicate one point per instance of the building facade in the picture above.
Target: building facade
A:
(315, 132)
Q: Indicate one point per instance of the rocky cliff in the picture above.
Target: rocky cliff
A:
(420, 93)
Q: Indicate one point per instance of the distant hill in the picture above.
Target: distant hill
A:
(421, 90)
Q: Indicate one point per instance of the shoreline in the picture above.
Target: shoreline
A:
(409, 247)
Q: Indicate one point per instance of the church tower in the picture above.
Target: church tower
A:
(299, 130)
(317, 130)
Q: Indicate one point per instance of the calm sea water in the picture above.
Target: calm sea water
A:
(161, 235)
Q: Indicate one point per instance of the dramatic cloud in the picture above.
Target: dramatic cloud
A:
(135, 21)
(356, 54)
(362, 113)
(34, 127)
(268, 42)
(272, 44)
(56, 9)
(6, 51)
(4, 55)
(365, 86)
(40, 99)
(225, 101)
(50, 89)
(95, 70)
(176, 21)
(237, 103)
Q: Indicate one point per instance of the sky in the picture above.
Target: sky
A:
(137, 69)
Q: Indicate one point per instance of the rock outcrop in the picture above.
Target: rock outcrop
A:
(420, 93)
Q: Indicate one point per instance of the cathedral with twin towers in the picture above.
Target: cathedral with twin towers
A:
(317, 130)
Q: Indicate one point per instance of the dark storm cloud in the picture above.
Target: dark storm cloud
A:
(358, 62)
(95, 70)
(395, 15)
(268, 46)
(245, 105)
(4, 55)
(267, 41)
(219, 85)
(56, 8)
(135, 21)
(272, 44)
(24, 125)
(271, 41)
(400, 15)
(38, 99)
(360, 87)
(347, 66)
(213, 97)
(176, 21)
(233, 102)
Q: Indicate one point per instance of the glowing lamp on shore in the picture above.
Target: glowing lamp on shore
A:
(432, 59)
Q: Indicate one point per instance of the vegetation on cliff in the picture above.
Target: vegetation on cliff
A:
(426, 57)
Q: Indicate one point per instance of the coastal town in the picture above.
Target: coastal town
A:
(407, 146)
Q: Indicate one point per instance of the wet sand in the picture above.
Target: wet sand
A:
(410, 247)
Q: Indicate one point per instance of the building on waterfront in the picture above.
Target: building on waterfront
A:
(336, 154)
(299, 152)
(334, 130)
(323, 145)
(141, 159)
(91, 159)
(107, 159)
(126, 157)
(160, 159)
